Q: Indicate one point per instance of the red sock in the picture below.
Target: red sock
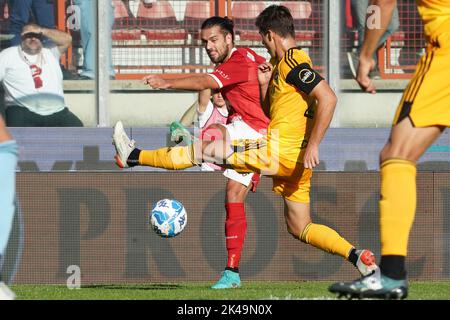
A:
(235, 230)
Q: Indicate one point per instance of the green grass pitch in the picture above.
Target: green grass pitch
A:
(201, 291)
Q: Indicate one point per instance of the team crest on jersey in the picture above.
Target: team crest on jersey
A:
(306, 75)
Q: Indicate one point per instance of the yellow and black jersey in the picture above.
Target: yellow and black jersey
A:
(426, 99)
(435, 15)
(291, 108)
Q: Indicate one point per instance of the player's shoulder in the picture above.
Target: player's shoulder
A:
(248, 54)
(294, 57)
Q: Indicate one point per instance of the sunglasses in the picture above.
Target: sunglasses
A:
(30, 35)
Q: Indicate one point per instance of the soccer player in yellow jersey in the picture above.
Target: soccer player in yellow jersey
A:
(422, 115)
(300, 104)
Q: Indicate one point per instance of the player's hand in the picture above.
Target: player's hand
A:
(31, 28)
(264, 73)
(362, 75)
(311, 158)
(155, 81)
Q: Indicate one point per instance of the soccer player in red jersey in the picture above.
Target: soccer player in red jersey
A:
(236, 76)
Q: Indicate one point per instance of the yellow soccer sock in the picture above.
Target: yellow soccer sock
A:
(397, 205)
(326, 239)
(172, 158)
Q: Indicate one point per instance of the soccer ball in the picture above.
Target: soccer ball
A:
(168, 218)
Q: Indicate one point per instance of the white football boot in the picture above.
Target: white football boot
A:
(123, 144)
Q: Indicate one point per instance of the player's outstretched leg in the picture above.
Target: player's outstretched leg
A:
(298, 220)
(127, 155)
(375, 285)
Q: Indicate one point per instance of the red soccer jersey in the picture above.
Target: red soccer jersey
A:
(238, 82)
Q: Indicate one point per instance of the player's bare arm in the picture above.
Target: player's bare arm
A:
(204, 97)
(371, 38)
(264, 75)
(189, 115)
(326, 103)
(194, 83)
(62, 39)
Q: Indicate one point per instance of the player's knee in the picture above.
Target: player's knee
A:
(213, 133)
(385, 153)
(294, 233)
(391, 151)
(236, 192)
(296, 228)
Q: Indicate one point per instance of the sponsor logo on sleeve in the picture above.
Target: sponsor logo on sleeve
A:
(223, 74)
(306, 76)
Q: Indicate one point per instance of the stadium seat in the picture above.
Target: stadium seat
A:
(301, 12)
(194, 15)
(124, 24)
(126, 34)
(244, 14)
(159, 22)
(122, 18)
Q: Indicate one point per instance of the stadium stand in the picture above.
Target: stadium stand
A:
(194, 14)
(302, 13)
(170, 28)
(123, 28)
(159, 23)
(244, 14)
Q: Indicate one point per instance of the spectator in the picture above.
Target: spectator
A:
(88, 39)
(32, 80)
(20, 13)
(359, 14)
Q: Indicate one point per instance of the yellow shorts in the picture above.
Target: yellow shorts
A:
(426, 100)
(290, 179)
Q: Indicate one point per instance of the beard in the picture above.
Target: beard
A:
(220, 58)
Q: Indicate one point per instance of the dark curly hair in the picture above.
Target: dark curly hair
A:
(225, 24)
(278, 19)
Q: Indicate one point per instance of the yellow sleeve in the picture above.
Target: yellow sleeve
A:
(292, 58)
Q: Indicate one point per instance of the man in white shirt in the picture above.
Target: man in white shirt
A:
(32, 80)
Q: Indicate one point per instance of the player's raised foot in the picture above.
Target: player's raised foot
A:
(123, 145)
(228, 280)
(375, 285)
(366, 262)
(5, 292)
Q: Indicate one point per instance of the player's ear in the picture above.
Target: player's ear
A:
(229, 38)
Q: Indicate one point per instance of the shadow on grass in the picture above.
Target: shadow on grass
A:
(153, 286)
